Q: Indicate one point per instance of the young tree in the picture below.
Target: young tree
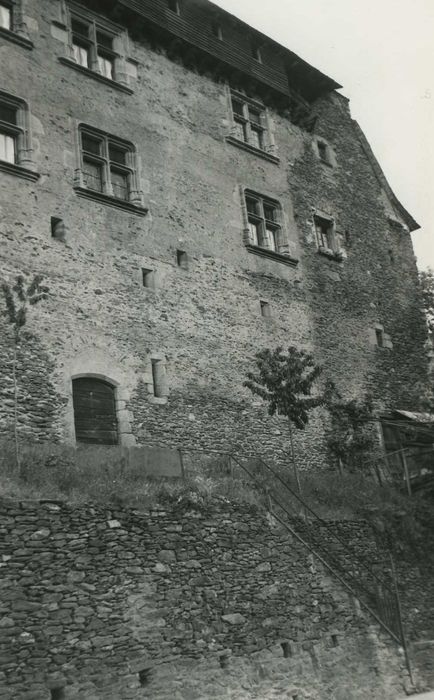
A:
(286, 381)
(18, 299)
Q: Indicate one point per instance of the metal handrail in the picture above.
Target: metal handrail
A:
(324, 523)
(323, 561)
(302, 502)
(384, 596)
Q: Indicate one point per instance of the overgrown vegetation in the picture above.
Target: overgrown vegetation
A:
(57, 472)
(426, 278)
(350, 436)
(405, 523)
(18, 298)
(84, 476)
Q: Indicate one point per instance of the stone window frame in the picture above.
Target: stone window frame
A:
(264, 125)
(324, 152)
(97, 23)
(163, 393)
(379, 338)
(18, 31)
(282, 254)
(24, 165)
(135, 202)
(333, 249)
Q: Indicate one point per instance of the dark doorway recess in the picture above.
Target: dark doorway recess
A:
(94, 411)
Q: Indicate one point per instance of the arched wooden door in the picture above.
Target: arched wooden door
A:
(94, 411)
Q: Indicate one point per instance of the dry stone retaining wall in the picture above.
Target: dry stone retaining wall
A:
(178, 603)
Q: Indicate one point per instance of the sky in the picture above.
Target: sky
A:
(382, 53)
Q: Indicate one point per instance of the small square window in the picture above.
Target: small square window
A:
(57, 228)
(323, 151)
(265, 309)
(159, 378)
(182, 259)
(379, 334)
(147, 278)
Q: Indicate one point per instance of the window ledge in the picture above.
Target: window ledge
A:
(331, 254)
(97, 76)
(15, 38)
(272, 255)
(111, 201)
(252, 149)
(19, 171)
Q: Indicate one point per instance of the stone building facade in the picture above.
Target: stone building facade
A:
(191, 192)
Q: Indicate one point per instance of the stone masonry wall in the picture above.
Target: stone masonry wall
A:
(204, 322)
(176, 602)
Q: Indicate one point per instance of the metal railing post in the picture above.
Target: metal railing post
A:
(401, 626)
(406, 471)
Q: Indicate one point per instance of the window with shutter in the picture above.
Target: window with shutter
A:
(94, 411)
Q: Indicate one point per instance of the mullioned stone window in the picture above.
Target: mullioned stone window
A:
(263, 226)
(13, 23)
(108, 169)
(95, 46)
(16, 151)
(250, 126)
(326, 236)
